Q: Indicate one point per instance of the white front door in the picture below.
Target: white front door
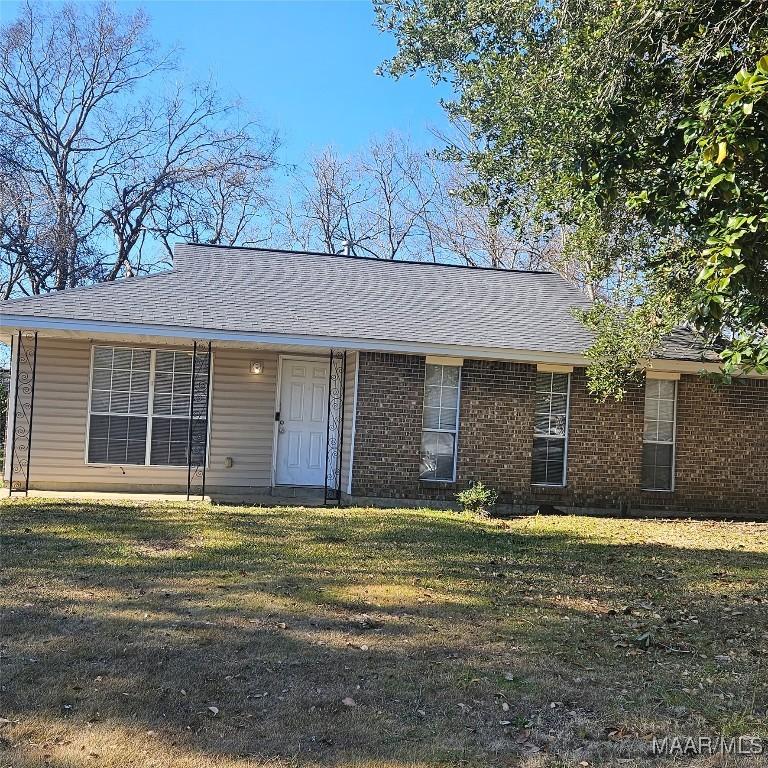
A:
(301, 431)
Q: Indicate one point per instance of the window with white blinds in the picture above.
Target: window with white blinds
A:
(120, 381)
(550, 430)
(659, 435)
(170, 408)
(440, 423)
(139, 407)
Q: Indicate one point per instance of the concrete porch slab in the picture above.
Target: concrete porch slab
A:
(310, 498)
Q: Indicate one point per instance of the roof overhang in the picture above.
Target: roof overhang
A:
(97, 328)
(148, 333)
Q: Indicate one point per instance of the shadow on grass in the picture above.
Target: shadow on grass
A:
(143, 618)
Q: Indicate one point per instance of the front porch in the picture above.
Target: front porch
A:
(276, 497)
(177, 418)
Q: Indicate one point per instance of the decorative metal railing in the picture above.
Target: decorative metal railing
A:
(197, 439)
(20, 448)
(337, 376)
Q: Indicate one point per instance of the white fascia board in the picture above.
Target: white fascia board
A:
(95, 328)
(90, 328)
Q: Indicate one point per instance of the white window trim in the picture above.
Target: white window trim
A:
(671, 488)
(454, 432)
(564, 484)
(148, 415)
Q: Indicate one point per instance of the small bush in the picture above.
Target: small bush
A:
(478, 499)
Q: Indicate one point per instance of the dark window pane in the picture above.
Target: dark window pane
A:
(118, 429)
(548, 460)
(119, 401)
(97, 450)
(161, 437)
(99, 428)
(177, 454)
(657, 467)
(122, 359)
(557, 425)
(541, 424)
(434, 375)
(163, 362)
(102, 357)
(136, 453)
(448, 418)
(102, 378)
(559, 404)
(170, 438)
(117, 452)
(137, 429)
(451, 376)
(437, 454)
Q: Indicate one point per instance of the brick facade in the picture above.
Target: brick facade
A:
(721, 456)
(390, 399)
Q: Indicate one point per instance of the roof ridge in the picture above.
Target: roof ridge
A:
(372, 259)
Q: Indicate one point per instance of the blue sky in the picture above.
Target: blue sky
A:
(305, 68)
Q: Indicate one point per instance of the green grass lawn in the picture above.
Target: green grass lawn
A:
(213, 636)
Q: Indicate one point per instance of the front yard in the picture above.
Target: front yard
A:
(211, 636)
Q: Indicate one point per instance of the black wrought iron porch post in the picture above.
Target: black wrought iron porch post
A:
(197, 435)
(343, 379)
(334, 431)
(328, 427)
(20, 453)
(191, 416)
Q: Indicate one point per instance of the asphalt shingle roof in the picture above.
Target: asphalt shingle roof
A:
(307, 294)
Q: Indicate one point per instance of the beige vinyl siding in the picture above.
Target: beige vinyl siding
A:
(242, 418)
(242, 424)
(350, 384)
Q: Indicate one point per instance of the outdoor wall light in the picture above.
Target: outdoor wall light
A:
(257, 368)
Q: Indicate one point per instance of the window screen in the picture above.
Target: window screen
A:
(550, 431)
(659, 435)
(440, 422)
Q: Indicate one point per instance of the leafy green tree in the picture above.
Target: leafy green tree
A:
(639, 128)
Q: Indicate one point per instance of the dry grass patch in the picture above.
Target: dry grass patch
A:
(222, 637)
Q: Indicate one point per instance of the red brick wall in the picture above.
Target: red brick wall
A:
(722, 445)
(722, 450)
(390, 400)
(496, 427)
(605, 448)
